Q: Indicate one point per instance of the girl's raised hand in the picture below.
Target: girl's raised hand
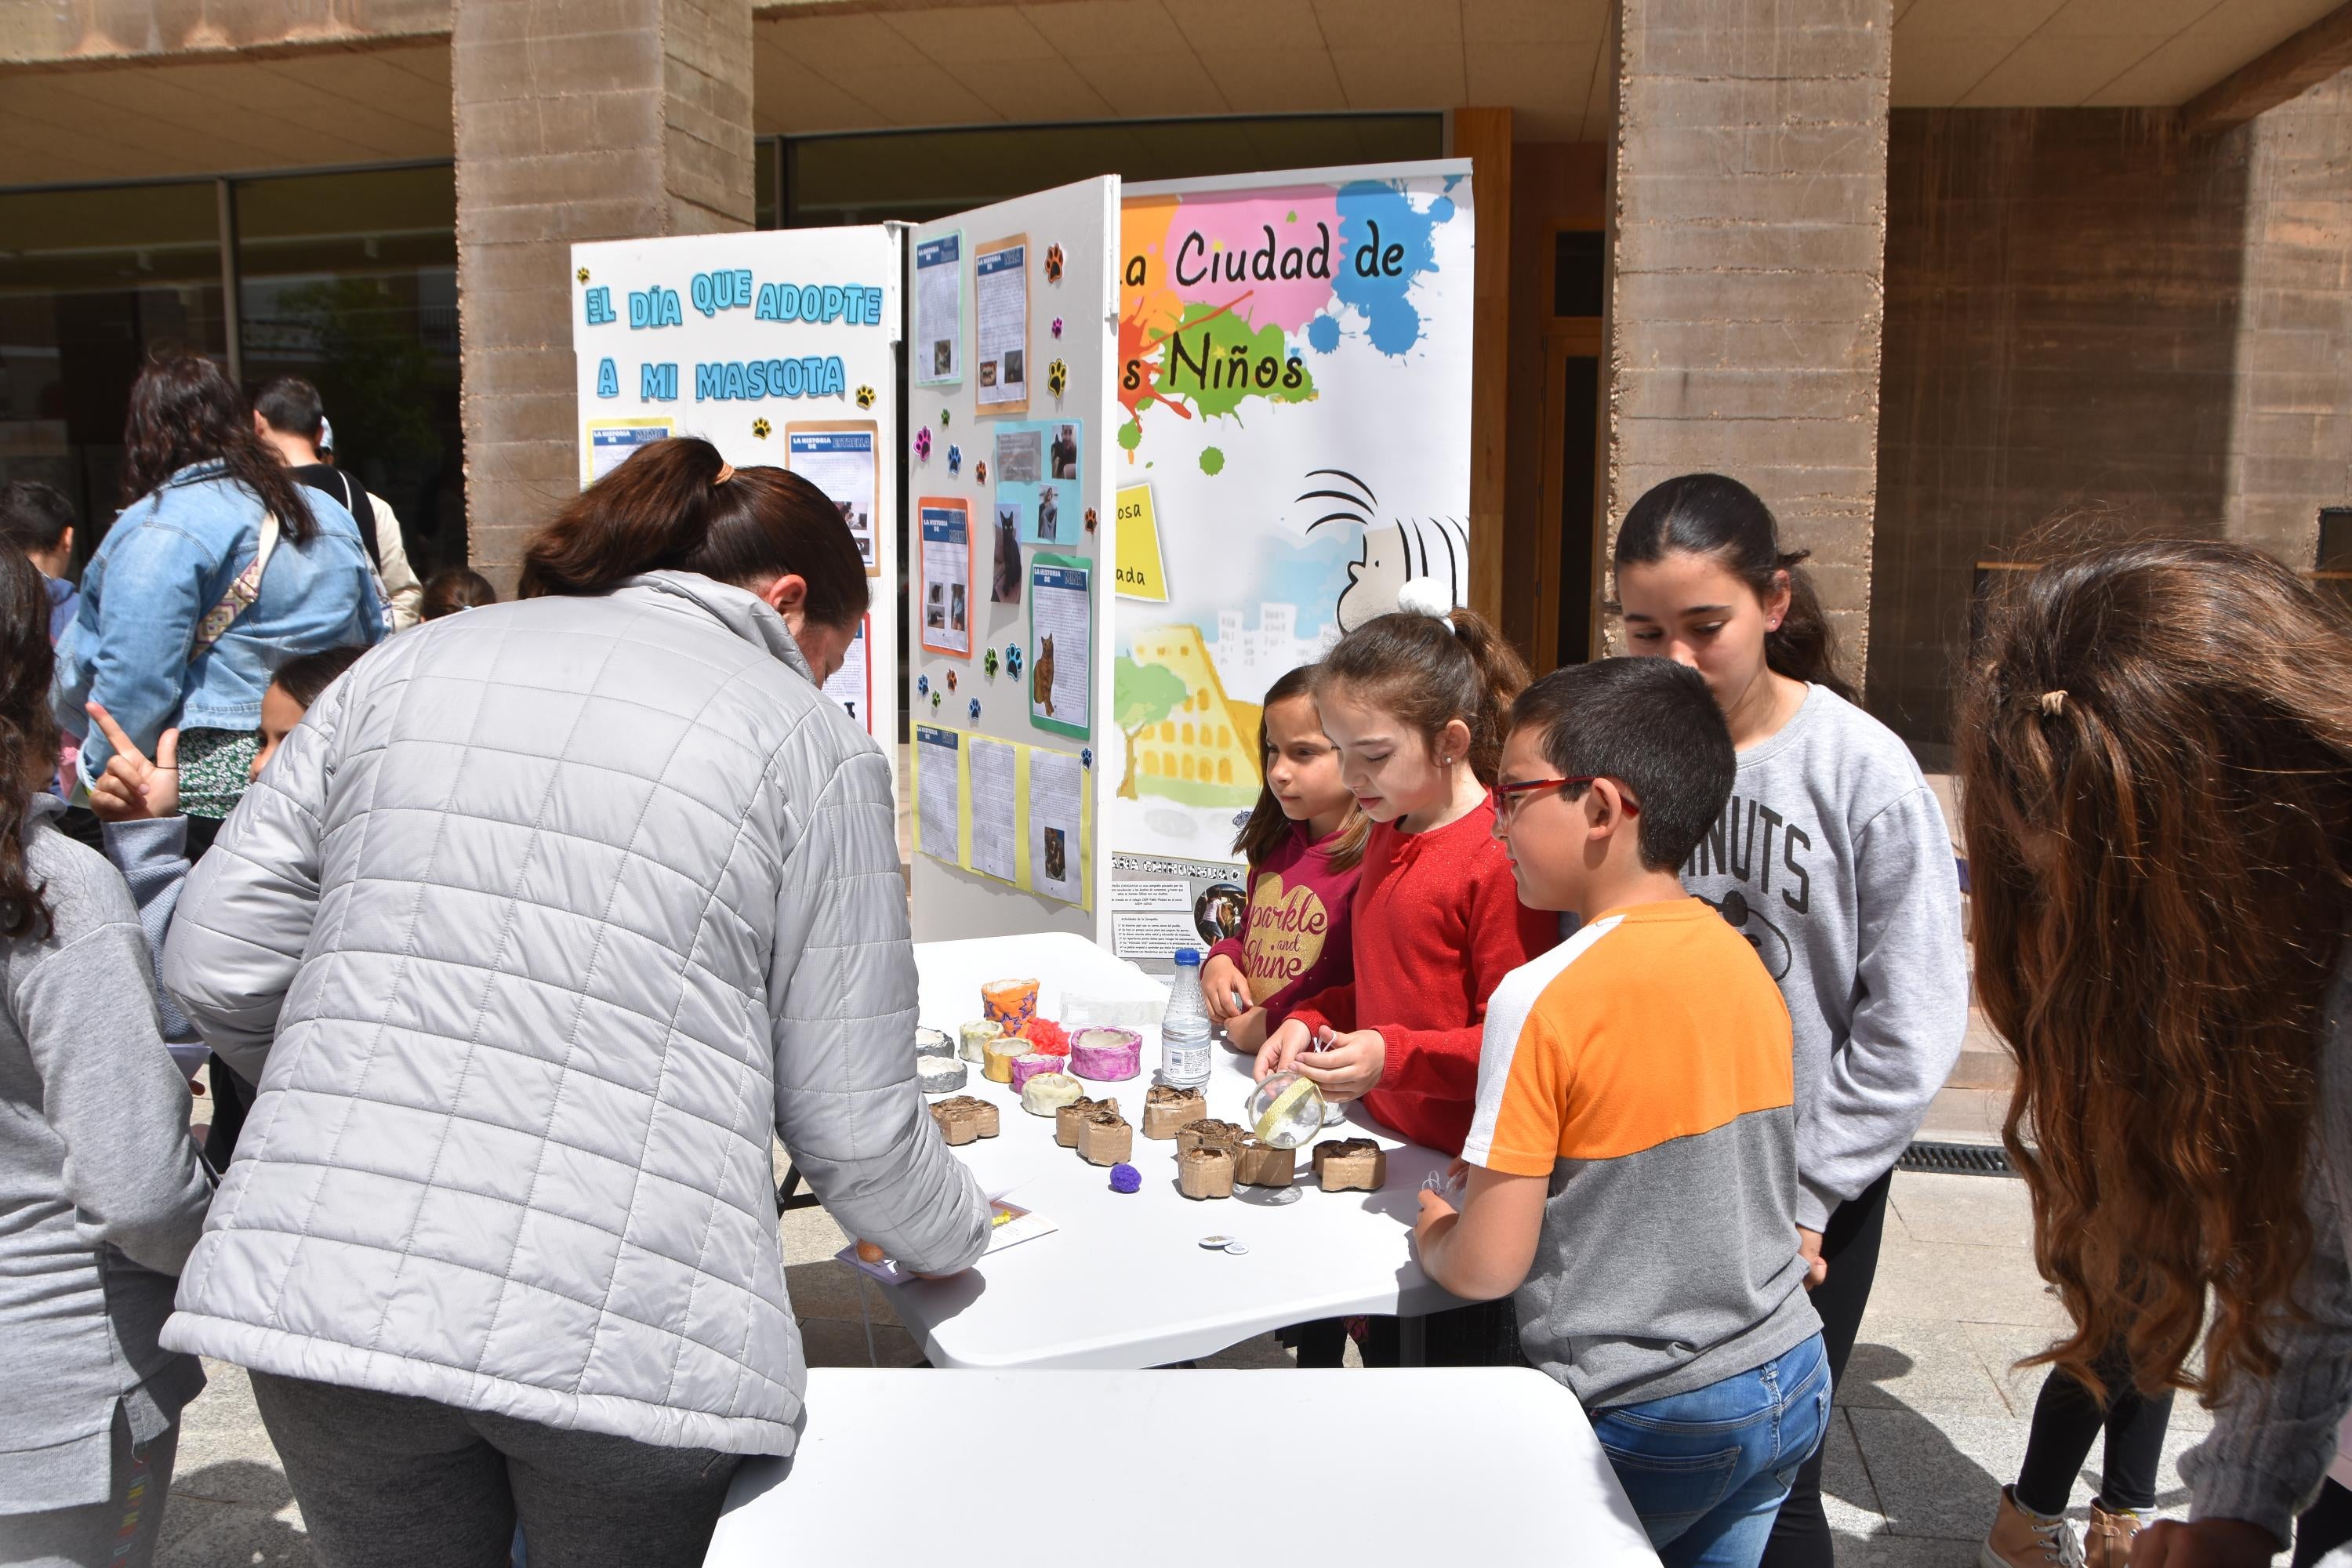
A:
(1346, 1067)
(1281, 1049)
(1222, 988)
(133, 789)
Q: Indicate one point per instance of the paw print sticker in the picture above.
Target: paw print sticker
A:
(979, 470)
(923, 685)
(760, 428)
(864, 398)
(1058, 326)
(1053, 264)
(975, 710)
(1057, 376)
(943, 417)
(1087, 757)
(988, 664)
(583, 275)
(935, 702)
(955, 458)
(923, 445)
(1013, 659)
(1090, 520)
(952, 681)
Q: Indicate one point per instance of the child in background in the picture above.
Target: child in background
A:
(1632, 1162)
(147, 839)
(1304, 841)
(1415, 702)
(1833, 859)
(456, 588)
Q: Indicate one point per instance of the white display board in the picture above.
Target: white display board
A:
(1293, 444)
(1012, 345)
(781, 349)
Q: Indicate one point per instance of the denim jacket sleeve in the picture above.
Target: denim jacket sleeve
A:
(129, 645)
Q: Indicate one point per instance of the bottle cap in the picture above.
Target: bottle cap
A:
(1190, 955)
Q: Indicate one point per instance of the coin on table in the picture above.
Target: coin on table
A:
(1216, 1243)
(1236, 1248)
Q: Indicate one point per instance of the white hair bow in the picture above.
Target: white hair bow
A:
(1427, 596)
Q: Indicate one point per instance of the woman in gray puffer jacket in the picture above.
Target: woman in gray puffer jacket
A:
(531, 934)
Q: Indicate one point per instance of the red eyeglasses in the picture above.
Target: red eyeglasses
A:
(1506, 797)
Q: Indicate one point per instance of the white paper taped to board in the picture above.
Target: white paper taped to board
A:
(994, 807)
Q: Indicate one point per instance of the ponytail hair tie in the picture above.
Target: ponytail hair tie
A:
(1428, 596)
(726, 472)
(2054, 703)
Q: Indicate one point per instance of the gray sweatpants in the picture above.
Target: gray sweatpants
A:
(119, 1532)
(387, 1481)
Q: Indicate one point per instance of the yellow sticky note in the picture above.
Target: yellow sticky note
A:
(1142, 570)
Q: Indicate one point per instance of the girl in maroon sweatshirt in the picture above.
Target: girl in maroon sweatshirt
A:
(1304, 843)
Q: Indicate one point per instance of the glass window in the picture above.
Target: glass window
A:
(1580, 267)
(90, 280)
(921, 174)
(350, 280)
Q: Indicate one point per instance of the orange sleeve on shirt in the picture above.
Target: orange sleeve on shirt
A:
(1528, 1123)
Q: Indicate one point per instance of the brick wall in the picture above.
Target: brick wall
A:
(1749, 214)
(2094, 320)
(576, 119)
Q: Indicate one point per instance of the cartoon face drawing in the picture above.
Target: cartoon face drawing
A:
(1393, 553)
(1765, 938)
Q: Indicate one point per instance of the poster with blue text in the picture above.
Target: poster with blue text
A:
(779, 348)
(1294, 446)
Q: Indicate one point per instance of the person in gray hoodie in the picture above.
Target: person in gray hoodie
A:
(538, 929)
(100, 1181)
(1833, 859)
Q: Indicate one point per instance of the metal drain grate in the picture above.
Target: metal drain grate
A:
(1956, 1159)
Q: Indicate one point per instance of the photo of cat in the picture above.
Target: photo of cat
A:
(1040, 675)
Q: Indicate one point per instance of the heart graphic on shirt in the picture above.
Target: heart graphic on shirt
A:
(1286, 929)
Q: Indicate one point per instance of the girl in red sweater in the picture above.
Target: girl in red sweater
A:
(1416, 701)
(1304, 843)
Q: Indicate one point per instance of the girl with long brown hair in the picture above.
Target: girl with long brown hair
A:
(2156, 759)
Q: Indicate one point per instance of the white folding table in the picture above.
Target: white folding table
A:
(1430, 1465)
(1124, 1282)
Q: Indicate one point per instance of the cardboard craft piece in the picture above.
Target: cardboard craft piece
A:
(1205, 1173)
(1067, 1119)
(1257, 1164)
(1345, 1164)
(1209, 1132)
(1106, 1138)
(963, 1119)
(1167, 1108)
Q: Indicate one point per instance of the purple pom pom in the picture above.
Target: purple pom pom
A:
(1126, 1179)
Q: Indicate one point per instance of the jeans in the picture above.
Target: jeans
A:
(391, 1481)
(1706, 1471)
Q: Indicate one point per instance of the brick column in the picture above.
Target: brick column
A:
(1747, 241)
(2290, 451)
(575, 119)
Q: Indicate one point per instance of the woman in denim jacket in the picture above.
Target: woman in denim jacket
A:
(203, 483)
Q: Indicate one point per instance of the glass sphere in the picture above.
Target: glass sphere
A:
(1285, 1111)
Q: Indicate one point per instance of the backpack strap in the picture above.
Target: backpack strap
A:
(241, 593)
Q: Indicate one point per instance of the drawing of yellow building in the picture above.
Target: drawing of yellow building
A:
(1205, 754)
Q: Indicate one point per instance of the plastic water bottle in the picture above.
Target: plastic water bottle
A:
(1184, 1028)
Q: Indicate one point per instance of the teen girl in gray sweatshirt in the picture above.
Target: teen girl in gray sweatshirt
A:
(1833, 859)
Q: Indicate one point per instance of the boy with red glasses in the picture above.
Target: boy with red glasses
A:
(1633, 1157)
